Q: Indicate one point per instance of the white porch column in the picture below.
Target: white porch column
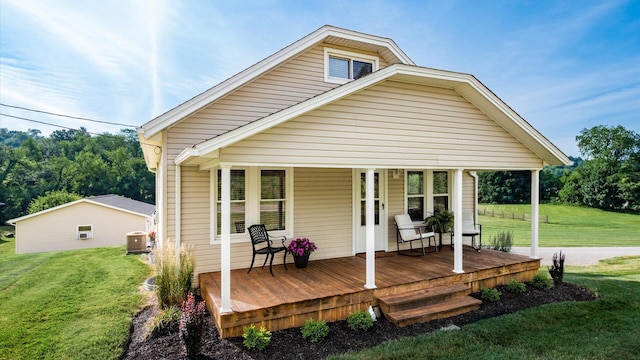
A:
(370, 232)
(457, 222)
(225, 247)
(535, 199)
(178, 189)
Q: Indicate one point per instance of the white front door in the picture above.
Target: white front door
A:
(359, 187)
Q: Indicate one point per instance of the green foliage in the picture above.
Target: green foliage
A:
(502, 241)
(256, 339)
(174, 273)
(541, 282)
(71, 161)
(441, 222)
(516, 287)
(359, 321)
(190, 327)
(165, 322)
(51, 199)
(504, 187)
(491, 295)
(315, 330)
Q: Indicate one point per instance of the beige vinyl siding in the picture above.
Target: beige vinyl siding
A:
(395, 206)
(57, 230)
(389, 125)
(323, 210)
(468, 192)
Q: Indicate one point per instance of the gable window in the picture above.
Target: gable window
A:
(343, 66)
(84, 232)
(258, 196)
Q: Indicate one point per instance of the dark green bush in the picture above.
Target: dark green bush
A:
(255, 338)
(315, 330)
(541, 282)
(359, 321)
(164, 323)
(516, 287)
(491, 295)
(557, 269)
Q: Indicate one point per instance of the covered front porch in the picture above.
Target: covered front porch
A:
(331, 289)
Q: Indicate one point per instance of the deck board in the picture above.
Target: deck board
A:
(332, 288)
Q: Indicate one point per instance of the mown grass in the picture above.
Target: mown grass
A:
(607, 328)
(67, 305)
(568, 226)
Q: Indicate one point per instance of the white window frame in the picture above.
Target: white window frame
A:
(347, 55)
(428, 190)
(89, 233)
(252, 203)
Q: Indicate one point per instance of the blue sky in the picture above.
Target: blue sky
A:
(562, 65)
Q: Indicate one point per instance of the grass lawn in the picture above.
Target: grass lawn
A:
(67, 305)
(568, 226)
(607, 328)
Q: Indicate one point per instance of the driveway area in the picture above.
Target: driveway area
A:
(579, 256)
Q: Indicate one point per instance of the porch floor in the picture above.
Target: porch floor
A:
(331, 289)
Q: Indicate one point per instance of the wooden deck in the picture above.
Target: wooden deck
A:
(332, 289)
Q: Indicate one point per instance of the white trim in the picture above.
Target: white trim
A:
(464, 84)
(457, 222)
(178, 188)
(218, 91)
(475, 196)
(88, 233)
(225, 248)
(370, 230)
(87, 200)
(535, 200)
(350, 56)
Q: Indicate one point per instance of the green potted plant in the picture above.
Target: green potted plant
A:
(301, 248)
(441, 222)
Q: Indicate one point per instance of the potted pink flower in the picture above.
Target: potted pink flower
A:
(301, 248)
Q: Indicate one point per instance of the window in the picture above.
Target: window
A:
(238, 202)
(273, 199)
(258, 196)
(415, 195)
(84, 232)
(342, 66)
(440, 191)
(427, 192)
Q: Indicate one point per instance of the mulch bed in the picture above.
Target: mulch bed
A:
(289, 344)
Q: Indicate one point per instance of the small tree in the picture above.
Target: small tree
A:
(51, 199)
(557, 269)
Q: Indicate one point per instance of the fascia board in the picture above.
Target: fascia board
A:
(199, 101)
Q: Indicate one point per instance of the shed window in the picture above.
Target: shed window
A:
(84, 232)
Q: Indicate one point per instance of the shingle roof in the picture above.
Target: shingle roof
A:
(124, 203)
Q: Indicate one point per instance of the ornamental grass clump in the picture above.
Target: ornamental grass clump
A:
(256, 339)
(174, 274)
(359, 321)
(502, 241)
(190, 328)
(166, 322)
(302, 246)
(315, 330)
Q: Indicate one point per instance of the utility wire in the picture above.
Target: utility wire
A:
(67, 116)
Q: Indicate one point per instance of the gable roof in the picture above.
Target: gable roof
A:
(386, 47)
(115, 202)
(464, 84)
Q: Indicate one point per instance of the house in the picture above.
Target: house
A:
(86, 223)
(329, 138)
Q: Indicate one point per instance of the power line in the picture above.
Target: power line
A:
(45, 123)
(67, 116)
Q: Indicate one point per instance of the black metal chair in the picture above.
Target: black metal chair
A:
(263, 245)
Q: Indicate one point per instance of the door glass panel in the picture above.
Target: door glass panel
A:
(363, 200)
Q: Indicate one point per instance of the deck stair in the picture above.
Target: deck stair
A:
(428, 304)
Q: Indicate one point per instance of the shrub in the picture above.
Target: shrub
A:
(314, 330)
(191, 321)
(164, 323)
(491, 295)
(502, 241)
(255, 338)
(174, 274)
(359, 321)
(557, 269)
(541, 282)
(516, 287)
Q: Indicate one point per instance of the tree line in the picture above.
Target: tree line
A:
(69, 164)
(607, 178)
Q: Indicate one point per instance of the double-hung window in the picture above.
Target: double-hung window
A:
(416, 195)
(440, 191)
(343, 66)
(427, 192)
(238, 202)
(273, 199)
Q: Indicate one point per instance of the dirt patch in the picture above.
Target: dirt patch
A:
(288, 344)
